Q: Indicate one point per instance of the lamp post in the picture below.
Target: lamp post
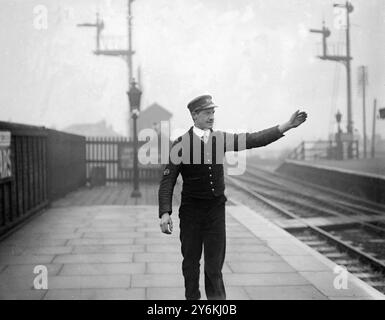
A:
(134, 95)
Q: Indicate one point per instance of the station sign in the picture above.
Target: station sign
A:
(5, 155)
(126, 156)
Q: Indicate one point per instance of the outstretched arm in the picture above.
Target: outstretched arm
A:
(242, 141)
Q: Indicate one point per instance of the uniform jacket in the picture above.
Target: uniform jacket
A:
(201, 164)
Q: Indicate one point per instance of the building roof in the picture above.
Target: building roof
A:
(156, 110)
(151, 117)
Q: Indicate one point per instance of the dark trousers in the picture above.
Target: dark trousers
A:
(202, 224)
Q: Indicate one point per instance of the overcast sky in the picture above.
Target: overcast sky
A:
(256, 57)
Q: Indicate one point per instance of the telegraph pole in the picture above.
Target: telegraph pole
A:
(373, 152)
(124, 53)
(346, 60)
(349, 8)
(363, 80)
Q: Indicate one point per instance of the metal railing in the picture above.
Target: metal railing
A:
(323, 149)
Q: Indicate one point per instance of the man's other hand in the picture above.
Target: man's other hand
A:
(297, 118)
(166, 223)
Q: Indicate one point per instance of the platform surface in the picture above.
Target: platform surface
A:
(118, 252)
(374, 166)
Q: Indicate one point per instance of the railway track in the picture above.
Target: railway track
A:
(357, 244)
(313, 206)
(304, 186)
(310, 200)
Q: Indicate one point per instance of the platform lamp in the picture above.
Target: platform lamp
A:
(339, 118)
(339, 154)
(382, 113)
(134, 95)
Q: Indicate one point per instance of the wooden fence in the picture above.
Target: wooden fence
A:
(44, 165)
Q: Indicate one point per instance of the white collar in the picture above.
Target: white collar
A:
(199, 132)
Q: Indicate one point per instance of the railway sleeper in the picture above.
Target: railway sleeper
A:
(379, 285)
(337, 255)
(367, 276)
(380, 241)
(315, 243)
(358, 269)
(307, 238)
(325, 250)
(346, 262)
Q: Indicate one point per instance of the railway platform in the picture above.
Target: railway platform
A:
(116, 251)
(360, 178)
(374, 167)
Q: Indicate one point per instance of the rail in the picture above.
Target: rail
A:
(323, 149)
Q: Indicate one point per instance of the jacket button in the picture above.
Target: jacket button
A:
(211, 182)
(209, 168)
(212, 189)
(211, 175)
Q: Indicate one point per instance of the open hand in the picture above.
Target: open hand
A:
(297, 118)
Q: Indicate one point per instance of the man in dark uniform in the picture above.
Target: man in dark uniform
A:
(198, 157)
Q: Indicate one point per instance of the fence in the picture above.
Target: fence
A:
(114, 155)
(44, 165)
(321, 149)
